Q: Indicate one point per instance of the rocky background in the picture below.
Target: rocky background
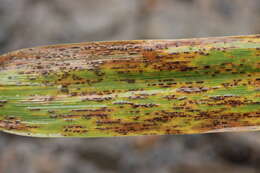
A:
(27, 23)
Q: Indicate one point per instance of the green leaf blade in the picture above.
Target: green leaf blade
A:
(128, 88)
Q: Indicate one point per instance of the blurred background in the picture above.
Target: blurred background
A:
(28, 23)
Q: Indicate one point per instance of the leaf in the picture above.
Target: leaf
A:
(128, 88)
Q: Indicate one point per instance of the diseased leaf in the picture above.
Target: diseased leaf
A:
(127, 88)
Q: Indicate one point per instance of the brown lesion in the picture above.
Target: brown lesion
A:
(97, 115)
(74, 129)
(228, 100)
(97, 98)
(192, 90)
(226, 120)
(256, 82)
(134, 128)
(3, 102)
(14, 123)
(87, 114)
(4, 59)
